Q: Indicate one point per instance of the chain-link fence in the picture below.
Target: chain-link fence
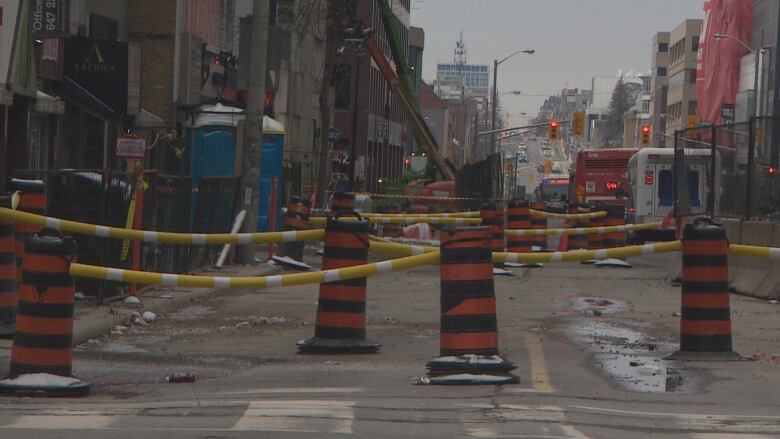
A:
(724, 171)
(106, 197)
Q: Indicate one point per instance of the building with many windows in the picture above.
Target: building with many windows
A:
(659, 64)
(475, 77)
(681, 93)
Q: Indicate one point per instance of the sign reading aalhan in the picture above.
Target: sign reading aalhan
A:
(99, 67)
(50, 18)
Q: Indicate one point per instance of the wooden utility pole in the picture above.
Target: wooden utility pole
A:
(253, 129)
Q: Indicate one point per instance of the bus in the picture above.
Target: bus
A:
(601, 175)
(553, 189)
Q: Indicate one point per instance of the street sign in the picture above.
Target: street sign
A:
(334, 135)
(130, 147)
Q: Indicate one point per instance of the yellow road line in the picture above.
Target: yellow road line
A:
(539, 375)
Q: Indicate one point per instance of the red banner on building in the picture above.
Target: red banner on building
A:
(717, 65)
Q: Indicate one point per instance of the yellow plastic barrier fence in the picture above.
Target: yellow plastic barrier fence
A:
(568, 216)
(581, 230)
(584, 255)
(755, 251)
(471, 214)
(398, 249)
(320, 220)
(314, 277)
(76, 227)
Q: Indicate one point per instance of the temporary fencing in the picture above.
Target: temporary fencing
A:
(583, 255)
(314, 277)
(319, 220)
(18, 217)
(566, 216)
(582, 231)
(469, 214)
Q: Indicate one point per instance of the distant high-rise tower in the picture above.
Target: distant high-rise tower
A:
(474, 77)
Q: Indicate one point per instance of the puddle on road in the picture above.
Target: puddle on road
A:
(597, 305)
(631, 357)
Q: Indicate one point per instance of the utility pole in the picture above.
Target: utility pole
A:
(253, 127)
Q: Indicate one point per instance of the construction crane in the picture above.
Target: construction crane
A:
(402, 90)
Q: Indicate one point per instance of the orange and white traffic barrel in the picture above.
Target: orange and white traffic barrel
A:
(469, 330)
(341, 310)
(705, 322)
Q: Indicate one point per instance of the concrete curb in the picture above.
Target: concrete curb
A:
(93, 323)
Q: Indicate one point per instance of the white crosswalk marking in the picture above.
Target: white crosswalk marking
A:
(315, 416)
(73, 421)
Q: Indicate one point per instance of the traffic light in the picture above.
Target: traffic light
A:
(578, 123)
(772, 170)
(644, 138)
(552, 132)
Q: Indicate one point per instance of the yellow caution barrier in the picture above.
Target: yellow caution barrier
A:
(584, 255)
(398, 249)
(582, 230)
(568, 216)
(471, 214)
(314, 277)
(755, 251)
(19, 217)
(320, 220)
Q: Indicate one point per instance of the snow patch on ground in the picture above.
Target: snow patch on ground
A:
(41, 380)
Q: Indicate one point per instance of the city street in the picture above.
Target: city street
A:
(587, 343)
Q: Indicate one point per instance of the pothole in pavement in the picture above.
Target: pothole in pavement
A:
(597, 305)
(632, 357)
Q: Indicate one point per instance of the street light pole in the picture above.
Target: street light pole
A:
(495, 91)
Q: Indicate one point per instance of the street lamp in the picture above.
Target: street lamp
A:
(755, 54)
(495, 88)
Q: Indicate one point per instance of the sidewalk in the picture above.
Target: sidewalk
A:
(93, 320)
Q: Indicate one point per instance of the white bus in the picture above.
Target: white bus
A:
(651, 183)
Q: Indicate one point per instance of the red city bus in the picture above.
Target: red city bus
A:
(600, 174)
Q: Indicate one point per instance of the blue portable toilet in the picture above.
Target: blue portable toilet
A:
(213, 147)
(272, 156)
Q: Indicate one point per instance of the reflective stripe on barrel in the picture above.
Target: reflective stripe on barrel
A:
(595, 239)
(539, 222)
(9, 289)
(468, 304)
(32, 198)
(44, 321)
(518, 217)
(705, 323)
(341, 310)
(615, 217)
(492, 215)
(297, 218)
(342, 202)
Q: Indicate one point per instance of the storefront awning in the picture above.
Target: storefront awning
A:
(84, 97)
(45, 103)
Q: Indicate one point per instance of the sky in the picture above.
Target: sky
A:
(574, 40)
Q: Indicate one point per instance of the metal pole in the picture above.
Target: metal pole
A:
(495, 100)
(749, 170)
(353, 146)
(253, 129)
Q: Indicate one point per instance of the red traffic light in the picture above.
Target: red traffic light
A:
(646, 129)
(554, 124)
(772, 170)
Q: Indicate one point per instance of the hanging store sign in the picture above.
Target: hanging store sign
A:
(130, 147)
(99, 67)
(50, 18)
